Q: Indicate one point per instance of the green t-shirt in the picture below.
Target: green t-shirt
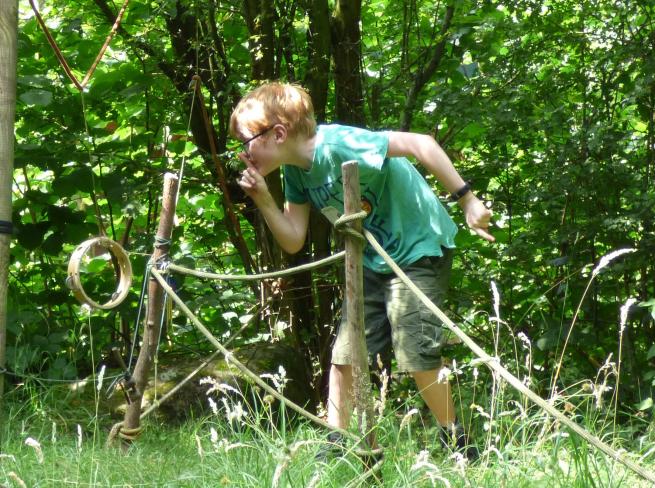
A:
(405, 215)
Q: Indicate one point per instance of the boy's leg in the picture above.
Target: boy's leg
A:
(417, 333)
(437, 395)
(340, 395)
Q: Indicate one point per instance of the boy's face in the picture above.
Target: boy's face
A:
(260, 149)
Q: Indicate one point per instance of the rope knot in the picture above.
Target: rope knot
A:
(342, 224)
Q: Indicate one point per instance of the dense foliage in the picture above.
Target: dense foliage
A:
(547, 106)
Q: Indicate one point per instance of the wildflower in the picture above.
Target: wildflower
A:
(443, 374)
(101, 376)
(279, 380)
(201, 451)
(456, 370)
(494, 290)
(212, 405)
(237, 413)
(18, 481)
(460, 462)
(286, 459)
(524, 340)
(379, 403)
(605, 260)
(34, 444)
(213, 436)
(431, 471)
(408, 417)
(624, 313)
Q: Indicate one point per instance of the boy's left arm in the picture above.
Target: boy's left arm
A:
(428, 152)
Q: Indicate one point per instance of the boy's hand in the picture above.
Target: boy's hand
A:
(477, 216)
(253, 183)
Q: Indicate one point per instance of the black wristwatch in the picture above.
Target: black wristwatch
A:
(461, 192)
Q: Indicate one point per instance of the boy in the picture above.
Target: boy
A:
(276, 125)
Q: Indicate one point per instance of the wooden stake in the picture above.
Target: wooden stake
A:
(8, 43)
(154, 308)
(355, 304)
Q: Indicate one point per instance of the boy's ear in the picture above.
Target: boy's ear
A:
(280, 132)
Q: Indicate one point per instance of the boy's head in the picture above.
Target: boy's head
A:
(274, 103)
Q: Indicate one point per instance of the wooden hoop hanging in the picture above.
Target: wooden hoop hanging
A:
(75, 284)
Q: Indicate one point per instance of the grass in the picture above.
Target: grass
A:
(51, 440)
(43, 447)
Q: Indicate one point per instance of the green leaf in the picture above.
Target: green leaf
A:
(649, 304)
(651, 352)
(53, 244)
(96, 265)
(36, 97)
(30, 236)
(645, 404)
(79, 180)
(62, 216)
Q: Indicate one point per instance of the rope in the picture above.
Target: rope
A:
(162, 242)
(262, 276)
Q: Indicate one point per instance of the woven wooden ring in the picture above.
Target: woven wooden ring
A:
(75, 284)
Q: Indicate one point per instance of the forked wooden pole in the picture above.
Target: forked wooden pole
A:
(355, 304)
(131, 422)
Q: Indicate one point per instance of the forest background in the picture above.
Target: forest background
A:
(546, 106)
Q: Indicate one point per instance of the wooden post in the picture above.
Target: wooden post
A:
(154, 308)
(355, 304)
(8, 43)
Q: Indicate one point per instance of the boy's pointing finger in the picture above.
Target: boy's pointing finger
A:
(484, 234)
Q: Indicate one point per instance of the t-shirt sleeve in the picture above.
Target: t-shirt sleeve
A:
(294, 191)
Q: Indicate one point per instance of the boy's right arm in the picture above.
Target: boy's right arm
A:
(289, 227)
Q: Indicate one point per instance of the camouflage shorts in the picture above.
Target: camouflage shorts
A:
(394, 318)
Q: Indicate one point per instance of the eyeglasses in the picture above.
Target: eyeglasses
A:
(246, 144)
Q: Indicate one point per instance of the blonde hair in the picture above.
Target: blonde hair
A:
(275, 103)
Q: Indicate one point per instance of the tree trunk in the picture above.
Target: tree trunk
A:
(319, 40)
(8, 48)
(425, 73)
(346, 42)
(260, 19)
